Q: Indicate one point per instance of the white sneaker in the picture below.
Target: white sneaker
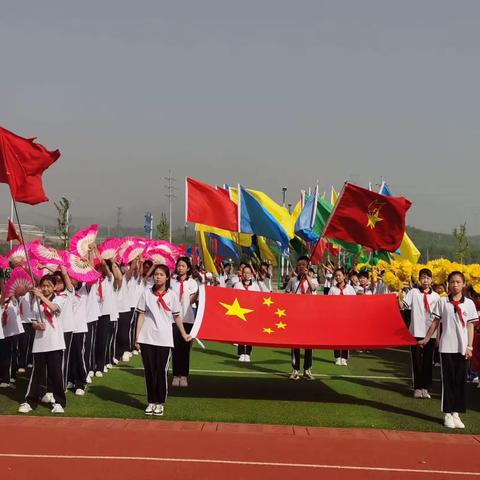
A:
(109, 366)
(183, 382)
(241, 358)
(158, 410)
(436, 364)
(21, 370)
(150, 408)
(418, 393)
(80, 392)
(99, 374)
(130, 354)
(246, 358)
(4, 385)
(24, 408)
(425, 394)
(91, 373)
(48, 398)
(295, 375)
(135, 352)
(448, 422)
(70, 385)
(457, 421)
(29, 365)
(88, 379)
(475, 380)
(125, 357)
(115, 361)
(308, 375)
(344, 362)
(176, 382)
(338, 361)
(57, 408)
(13, 380)
(105, 369)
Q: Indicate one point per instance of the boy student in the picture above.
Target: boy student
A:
(421, 302)
(341, 288)
(303, 283)
(457, 315)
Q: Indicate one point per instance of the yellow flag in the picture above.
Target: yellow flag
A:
(265, 252)
(408, 251)
(208, 262)
(296, 212)
(242, 239)
(333, 196)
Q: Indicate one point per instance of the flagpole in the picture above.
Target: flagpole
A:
(11, 219)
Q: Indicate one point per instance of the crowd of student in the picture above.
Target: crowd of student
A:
(70, 333)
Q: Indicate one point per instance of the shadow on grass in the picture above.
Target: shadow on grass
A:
(118, 396)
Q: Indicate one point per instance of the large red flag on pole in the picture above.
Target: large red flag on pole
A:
(12, 233)
(310, 321)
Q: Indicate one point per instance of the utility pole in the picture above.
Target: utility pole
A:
(119, 220)
(170, 195)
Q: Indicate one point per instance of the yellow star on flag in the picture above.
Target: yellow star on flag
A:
(373, 219)
(235, 310)
(281, 325)
(280, 313)
(267, 330)
(268, 301)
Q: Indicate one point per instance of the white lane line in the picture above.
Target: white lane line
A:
(239, 462)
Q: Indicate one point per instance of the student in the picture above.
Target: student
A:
(158, 307)
(264, 278)
(341, 288)
(364, 287)
(246, 282)
(456, 314)
(25, 340)
(186, 289)
(421, 302)
(48, 348)
(303, 283)
(93, 313)
(224, 280)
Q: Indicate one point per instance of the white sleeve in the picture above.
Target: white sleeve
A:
(408, 299)
(141, 306)
(176, 306)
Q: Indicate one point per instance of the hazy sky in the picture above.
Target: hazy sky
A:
(263, 93)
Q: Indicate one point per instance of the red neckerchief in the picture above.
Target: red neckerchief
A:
(5, 314)
(100, 290)
(48, 314)
(458, 310)
(302, 286)
(160, 300)
(425, 301)
(245, 286)
(21, 307)
(181, 288)
(342, 289)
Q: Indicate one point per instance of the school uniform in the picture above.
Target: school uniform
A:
(336, 290)
(136, 288)
(225, 280)
(25, 340)
(421, 305)
(328, 282)
(454, 318)
(301, 287)
(93, 312)
(265, 284)
(253, 287)
(11, 329)
(68, 325)
(181, 353)
(122, 340)
(156, 340)
(104, 332)
(77, 371)
(48, 348)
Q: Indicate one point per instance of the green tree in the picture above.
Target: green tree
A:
(463, 246)
(63, 220)
(162, 228)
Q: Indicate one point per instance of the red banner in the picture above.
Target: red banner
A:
(310, 321)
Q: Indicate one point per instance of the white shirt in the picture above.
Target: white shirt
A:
(454, 336)
(420, 319)
(265, 284)
(381, 288)
(359, 290)
(25, 307)
(50, 339)
(293, 286)
(123, 301)
(251, 288)
(225, 280)
(80, 310)
(66, 315)
(93, 304)
(348, 290)
(190, 287)
(14, 322)
(157, 326)
(108, 306)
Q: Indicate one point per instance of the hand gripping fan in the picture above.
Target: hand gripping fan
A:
(81, 240)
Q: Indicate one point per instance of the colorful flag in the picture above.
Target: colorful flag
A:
(333, 196)
(266, 253)
(208, 262)
(225, 247)
(210, 206)
(22, 163)
(242, 239)
(310, 321)
(368, 218)
(12, 233)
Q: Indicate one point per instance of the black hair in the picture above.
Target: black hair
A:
(247, 265)
(166, 271)
(456, 272)
(48, 278)
(303, 257)
(187, 262)
(425, 271)
(364, 274)
(339, 269)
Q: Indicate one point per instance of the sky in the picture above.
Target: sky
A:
(266, 93)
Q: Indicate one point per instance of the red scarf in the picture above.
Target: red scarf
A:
(425, 302)
(342, 289)
(100, 291)
(302, 286)
(48, 314)
(181, 289)
(458, 311)
(5, 314)
(160, 300)
(21, 307)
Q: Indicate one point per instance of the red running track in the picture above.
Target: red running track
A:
(74, 449)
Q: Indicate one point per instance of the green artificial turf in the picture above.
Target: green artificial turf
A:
(374, 391)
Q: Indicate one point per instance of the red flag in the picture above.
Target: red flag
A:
(22, 162)
(12, 233)
(210, 206)
(310, 321)
(368, 218)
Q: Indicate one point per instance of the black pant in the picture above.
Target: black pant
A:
(25, 344)
(66, 355)
(341, 354)
(112, 335)
(422, 365)
(101, 342)
(133, 330)
(181, 352)
(454, 373)
(77, 371)
(122, 342)
(307, 359)
(155, 361)
(90, 346)
(244, 350)
(46, 376)
(6, 351)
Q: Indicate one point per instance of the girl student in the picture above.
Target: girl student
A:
(456, 315)
(25, 340)
(158, 307)
(246, 282)
(48, 349)
(341, 288)
(186, 288)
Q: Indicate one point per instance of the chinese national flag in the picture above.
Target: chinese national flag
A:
(12, 233)
(368, 218)
(210, 206)
(310, 321)
(22, 163)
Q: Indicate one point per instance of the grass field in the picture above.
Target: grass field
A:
(373, 391)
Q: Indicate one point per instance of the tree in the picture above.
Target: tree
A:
(162, 227)
(463, 246)
(63, 220)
